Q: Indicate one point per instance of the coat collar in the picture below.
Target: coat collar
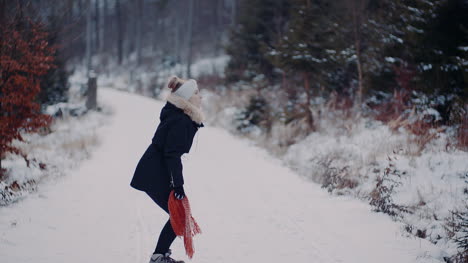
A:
(188, 108)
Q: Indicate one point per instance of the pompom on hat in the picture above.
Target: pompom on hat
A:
(186, 90)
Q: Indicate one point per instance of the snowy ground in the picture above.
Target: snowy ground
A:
(250, 207)
(70, 141)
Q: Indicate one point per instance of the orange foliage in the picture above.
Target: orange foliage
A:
(25, 55)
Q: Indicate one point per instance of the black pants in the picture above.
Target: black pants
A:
(167, 235)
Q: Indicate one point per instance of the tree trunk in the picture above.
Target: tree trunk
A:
(97, 45)
(105, 24)
(283, 81)
(80, 8)
(2, 23)
(88, 36)
(157, 33)
(139, 29)
(2, 12)
(131, 28)
(80, 29)
(307, 106)
(357, 44)
(70, 11)
(178, 40)
(215, 26)
(218, 27)
(119, 31)
(189, 40)
(358, 9)
(91, 102)
(233, 12)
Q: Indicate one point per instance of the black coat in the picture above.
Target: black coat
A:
(160, 167)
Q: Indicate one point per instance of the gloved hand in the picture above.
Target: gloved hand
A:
(179, 192)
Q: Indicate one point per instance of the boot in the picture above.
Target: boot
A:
(164, 258)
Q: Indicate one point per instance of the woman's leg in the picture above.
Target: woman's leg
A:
(167, 235)
(165, 240)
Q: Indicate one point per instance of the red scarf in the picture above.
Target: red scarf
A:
(182, 222)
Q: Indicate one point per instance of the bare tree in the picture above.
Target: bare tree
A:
(118, 17)
(189, 38)
(358, 14)
(2, 22)
(233, 11)
(2, 11)
(105, 24)
(139, 26)
(88, 35)
(177, 37)
(354, 27)
(217, 27)
(97, 41)
(80, 8)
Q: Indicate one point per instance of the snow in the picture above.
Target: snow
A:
(390, 59)
(430, 184)
(426, 67)
(399, 40)
(414, 29)
(415, 10)
(209, 66)
(432, 112)
(273, 52)
(250, 207)
(70, 140)
(302, 45)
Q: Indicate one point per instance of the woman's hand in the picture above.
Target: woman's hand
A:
(179, 192)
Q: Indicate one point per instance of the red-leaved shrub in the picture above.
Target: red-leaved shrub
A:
(25, 55)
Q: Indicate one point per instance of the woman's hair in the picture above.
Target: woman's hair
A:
(175, 83)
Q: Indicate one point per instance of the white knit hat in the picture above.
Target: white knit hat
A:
(187, 89)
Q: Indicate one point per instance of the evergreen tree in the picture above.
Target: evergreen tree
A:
(304, 52)
(366, 28)
(256, 114)
(54, 84)
(432, 40)
(257, 22)
(442, 56)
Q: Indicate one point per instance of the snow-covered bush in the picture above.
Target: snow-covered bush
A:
(50, 155)
(458, 227)
(254, 115)
(403, 169)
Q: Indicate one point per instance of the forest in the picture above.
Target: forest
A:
(288, 69)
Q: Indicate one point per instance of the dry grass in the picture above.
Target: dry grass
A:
(422, 131)
(80, 144)
(336, 178)
(49, 154)
(462, 135)
(395, 108)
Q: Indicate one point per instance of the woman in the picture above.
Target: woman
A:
(160, 168)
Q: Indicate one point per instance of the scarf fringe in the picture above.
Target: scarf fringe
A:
(183, 223)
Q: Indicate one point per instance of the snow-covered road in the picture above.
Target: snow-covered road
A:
(250, 207)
